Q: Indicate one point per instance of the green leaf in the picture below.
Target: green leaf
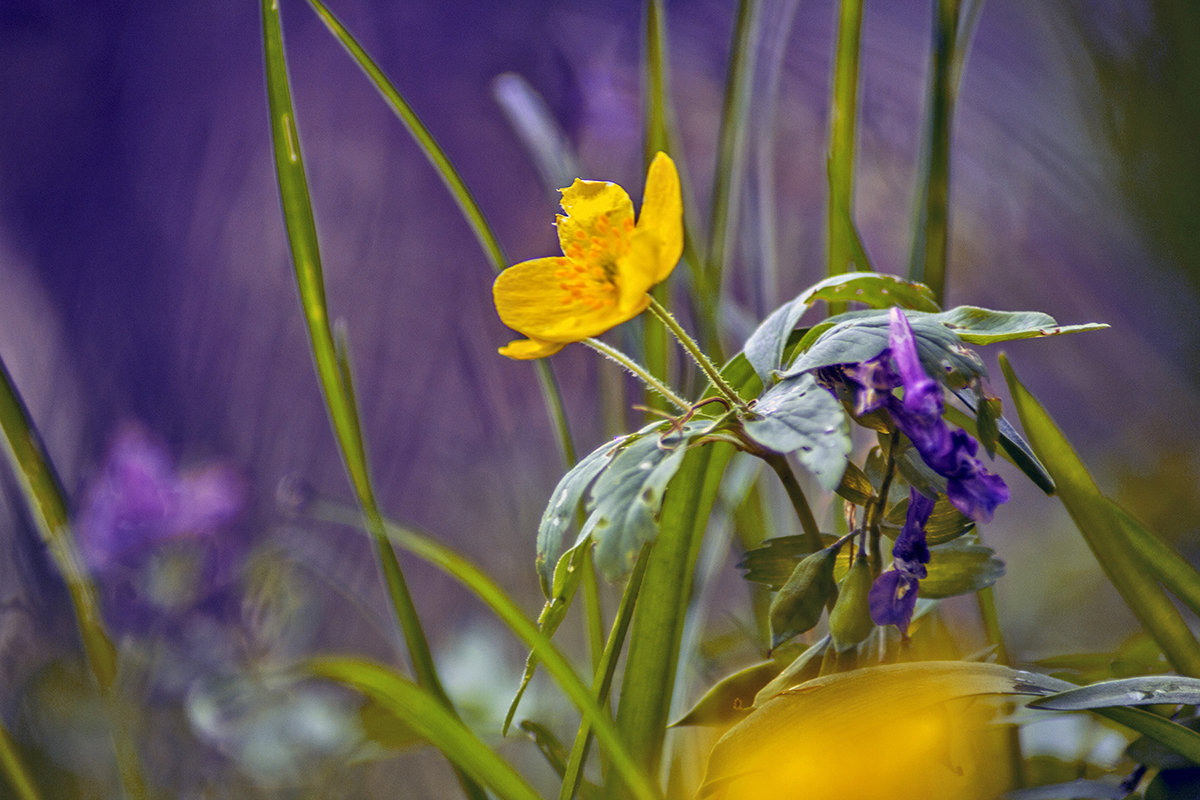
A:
(962, 567)
(855, 486)
(1172, 735)
(797, 415)
(386, 729)
(731, 697)
(548, 744)
(1150, 752)
(1160, 559)
(803, 668)
(987, 424)
(1144, 690)
(945, 524)
(428, 718)
(798, 604)
(765, 347)
(861, 336)
(560, 513)
(774, 560)
(1105, 532)
(1016, 449)
(985, 326)
(625, 500)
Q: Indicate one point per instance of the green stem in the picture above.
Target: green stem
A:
(845, 249)
(808, 523)
(605, 669)
(593, 616)
(702, 361)
(613, 354)
(727, 175)
(332, 369)
(927, 262)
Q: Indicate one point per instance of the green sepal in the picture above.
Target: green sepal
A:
(961, 567)
(797, 606)
(945, 524)
(730, 698)
(850, 620)
(855, 486)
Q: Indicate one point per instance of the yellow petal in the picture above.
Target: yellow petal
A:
(598, 221)
(636, 272)
(525, 349)
(557, 300)
(662, 213)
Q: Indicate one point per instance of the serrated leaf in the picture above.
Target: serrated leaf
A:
(796, 415)
(625, 499)
(962, 567)
(764, 349)
(1144, 690)
(985, 326)
(945, 524)
(560, 512)
(731, 697)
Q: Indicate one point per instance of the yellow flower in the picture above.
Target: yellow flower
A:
(607, 267)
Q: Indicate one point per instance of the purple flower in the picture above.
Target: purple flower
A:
(893, 595)
(139, 501)
(918, 414)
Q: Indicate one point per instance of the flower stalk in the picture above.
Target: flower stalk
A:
(693, 349)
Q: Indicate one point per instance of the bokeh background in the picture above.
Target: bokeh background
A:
(146, 295)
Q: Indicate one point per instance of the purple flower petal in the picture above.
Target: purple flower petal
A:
(910, 553)
(892, 598)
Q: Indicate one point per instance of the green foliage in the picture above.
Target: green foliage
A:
(850, 620)
(1145, 690)
(961, 567)
(796, 415)
(798, 604)
(731, 697)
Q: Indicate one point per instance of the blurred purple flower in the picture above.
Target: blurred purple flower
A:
(918, 414)
(893, 595)
(139, 501)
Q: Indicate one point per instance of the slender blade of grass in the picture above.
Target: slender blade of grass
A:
(14, 769)
(332, 371)
(427, 716)
(551, 658)
(1103, 530)
(466, 201)
(604, 672)
(47, 504)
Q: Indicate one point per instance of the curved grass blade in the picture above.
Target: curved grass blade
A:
(471, 211)
(1103, 530)
(1182, 740)
(426, 715)
(552, 659)
(43, 493)
(333, 371)
(1160, 559)
(14, 769)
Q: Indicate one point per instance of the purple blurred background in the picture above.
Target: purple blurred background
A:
(144, 275)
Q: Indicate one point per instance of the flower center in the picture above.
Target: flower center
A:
(591, 279)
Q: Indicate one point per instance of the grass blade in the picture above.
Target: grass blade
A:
(551, 658)
(1104, 532)
(47, 504)
(428, 717)
(466, 201)
(1161, 560)
(14, 769)
(333, 371)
